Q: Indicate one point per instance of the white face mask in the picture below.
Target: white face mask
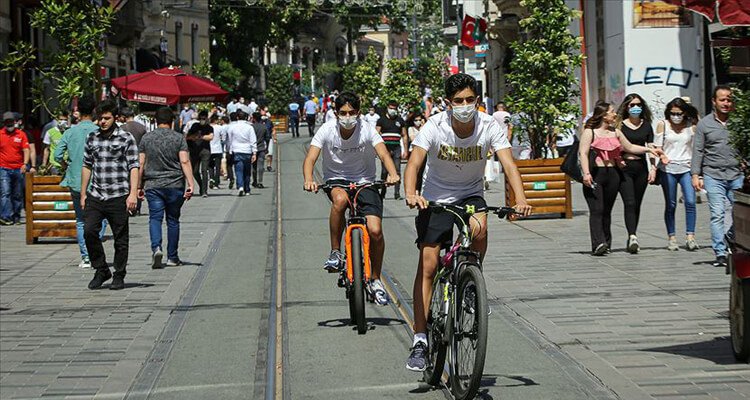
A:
(348, 122)
(676, 119)
(417, 123)
(392, 112)
(465, 113)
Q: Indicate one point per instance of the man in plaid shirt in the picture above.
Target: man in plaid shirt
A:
(110, 163)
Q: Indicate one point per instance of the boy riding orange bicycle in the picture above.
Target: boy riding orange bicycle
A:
(349, 147)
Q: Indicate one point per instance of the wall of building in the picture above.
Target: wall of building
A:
(661, 63)
(5, 30)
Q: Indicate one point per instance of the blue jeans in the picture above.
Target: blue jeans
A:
(159, 201)
(669, 186)
(11, 194)
(243, 170)
(720, 201)
(76, 196)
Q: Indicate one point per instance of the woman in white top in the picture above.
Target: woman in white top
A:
(674, 135)
(417, 124)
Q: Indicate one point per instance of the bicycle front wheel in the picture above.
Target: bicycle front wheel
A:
(469, 344)
(437, 321)
(357, 297)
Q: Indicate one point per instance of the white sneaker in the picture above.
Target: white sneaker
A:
(378, 292)
(85, 263)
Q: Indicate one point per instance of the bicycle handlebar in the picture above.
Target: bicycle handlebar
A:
(469, 210)
(353, 186)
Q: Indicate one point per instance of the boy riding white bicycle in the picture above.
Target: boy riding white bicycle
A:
(454, 144)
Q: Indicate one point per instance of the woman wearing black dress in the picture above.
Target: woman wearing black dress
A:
(636, 126)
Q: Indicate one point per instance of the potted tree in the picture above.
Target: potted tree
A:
(279, 94)
(739, 262)
(543, 82)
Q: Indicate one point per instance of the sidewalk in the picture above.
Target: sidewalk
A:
(651, 325)
(60, 339)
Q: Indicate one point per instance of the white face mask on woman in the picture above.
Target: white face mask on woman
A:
(465, 113)
(348, 122)
(417, 123)
(676, 119)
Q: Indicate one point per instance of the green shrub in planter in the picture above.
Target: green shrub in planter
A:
(279, 88)
(739, 129)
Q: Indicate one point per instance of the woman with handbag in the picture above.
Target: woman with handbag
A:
(635, 123)
(674, 135)
(602, 179)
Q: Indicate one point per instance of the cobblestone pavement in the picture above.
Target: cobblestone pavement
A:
(651, 325)
(59, 339)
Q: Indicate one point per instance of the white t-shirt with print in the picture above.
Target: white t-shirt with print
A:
(455, 166)
(352, 159)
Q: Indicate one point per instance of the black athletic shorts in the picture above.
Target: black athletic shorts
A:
(437, 227)
(369, 201)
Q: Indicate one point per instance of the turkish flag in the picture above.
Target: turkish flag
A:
(467, 31)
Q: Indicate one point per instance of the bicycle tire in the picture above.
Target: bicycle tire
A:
(358, 286)
(739, 321)
(438, 319)
(465, 379)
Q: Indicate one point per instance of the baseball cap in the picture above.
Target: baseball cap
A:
(9, 115)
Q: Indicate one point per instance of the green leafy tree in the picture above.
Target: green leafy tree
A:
(279, 89)
(401, 85)
(543, 80)
(431, 72)
(204, 67)
(78, 28)
(739, 130)
(363, 78)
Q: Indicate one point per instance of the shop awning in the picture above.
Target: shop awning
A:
(729, 12)
(167, 86)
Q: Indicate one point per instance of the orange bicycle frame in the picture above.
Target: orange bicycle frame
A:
(365, 251)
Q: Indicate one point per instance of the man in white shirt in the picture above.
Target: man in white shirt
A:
(232, 106)
(349, 147)
(217, 151)
(372, 117)
(311, 110)
(330, 115)
(253, 106)
(454, 145)
(241, 142)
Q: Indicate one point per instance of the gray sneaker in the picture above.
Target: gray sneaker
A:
(691, 245)
(418, 358)
(672, 246)
(335, 262)
(156, 259)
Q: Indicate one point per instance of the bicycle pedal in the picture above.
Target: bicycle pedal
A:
(341, 282)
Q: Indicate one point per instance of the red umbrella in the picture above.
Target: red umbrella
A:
(167, 86)
(731, 12)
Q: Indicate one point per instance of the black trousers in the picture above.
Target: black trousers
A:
(116, 212)
(311, 123)
(230, 168)
(395, 151)
(632, 188)
(294, 126)
(601, 201)
(214, 168)
(200, 169)
(259, 166)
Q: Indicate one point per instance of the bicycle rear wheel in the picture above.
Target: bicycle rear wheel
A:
(357, 297)
(438, 319)
(469, 344)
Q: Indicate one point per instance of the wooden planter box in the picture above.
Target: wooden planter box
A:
(546, 188)
(281, 123)
(49, 209)
(741, 214)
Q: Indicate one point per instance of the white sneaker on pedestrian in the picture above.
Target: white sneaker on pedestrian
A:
(241, 192)
(156, 259)
(85, 263)
(672, 245)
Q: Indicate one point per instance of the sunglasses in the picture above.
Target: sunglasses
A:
(676, 114)
(631, 105)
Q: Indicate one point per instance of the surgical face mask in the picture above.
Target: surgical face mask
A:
(676, 119)
(392, 112)
(372, 112)
(465, 113)
(62, 124)
(10, 127)
(348, 122)
(417, 123)
(635, 111)
(264, 117)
